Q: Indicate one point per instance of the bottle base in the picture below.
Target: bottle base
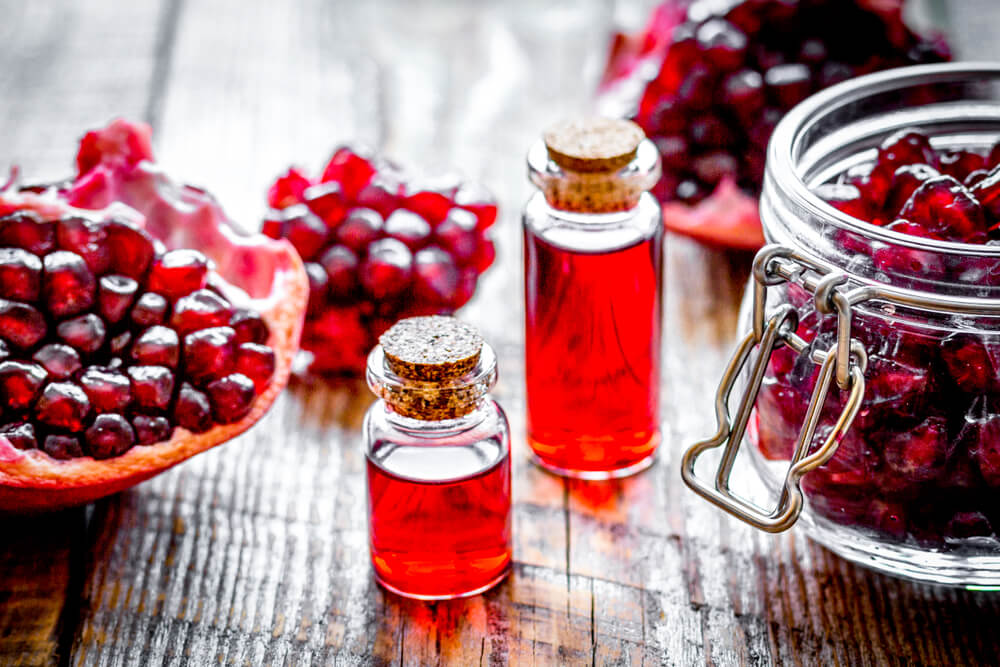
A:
(444, 596)
(595, 475)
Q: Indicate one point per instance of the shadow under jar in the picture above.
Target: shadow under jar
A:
(870, 389)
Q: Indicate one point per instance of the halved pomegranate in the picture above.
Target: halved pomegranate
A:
(379, 245)
(708, 81)
(137, 326)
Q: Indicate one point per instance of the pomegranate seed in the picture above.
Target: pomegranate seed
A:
(351, 169)
(945, 208)
(85, 333)
(200, 310)
(427, 205)
(970, 363)
(131, 249)
(209, 353)
(362, 226)
(21, 435)
(327, 201)
(456, 234)
(959, 164)
(477, 200)
(108, 390)
(110, 435)
(272, 224)
(380, 195)
(86, 239)
(408, 227)
(743, 92)
(150, 309)
(20, 383)
(178, 273)
(710, 131)
(318, 286)
(696, 89)
(150, 430)
(62, 405)
(387, 269)
(256, 362)
(62, 447)
(905, 182)
(115, 295)
(249, 326)
(965, 525)
(20, 275)
(305, 231)
(341, 266)
(485, 254)
(788, 84)
(152, 386)
(713, 167)
(69, 286)
(987, 191)
(20, 324)
(722, 43)
(157, 346)
(846, 198)
(192, 410)
(231, 397)
(435, 276)
(288, 189)
(24, 229)
(920, 454)
(59, 361)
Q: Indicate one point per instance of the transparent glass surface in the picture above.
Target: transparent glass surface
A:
(914, 487)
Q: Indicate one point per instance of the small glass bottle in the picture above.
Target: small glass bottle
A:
(438, 462)
(593, 256)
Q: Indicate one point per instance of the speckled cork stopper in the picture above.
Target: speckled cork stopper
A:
(432, 353)
(592, 152)
(593, 144)
(431, 348)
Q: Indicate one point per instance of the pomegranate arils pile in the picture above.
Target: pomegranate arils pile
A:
(732, 69)
(378, 246)
(108, 341)
(948, 195)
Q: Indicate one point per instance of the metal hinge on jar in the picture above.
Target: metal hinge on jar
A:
(844, 362)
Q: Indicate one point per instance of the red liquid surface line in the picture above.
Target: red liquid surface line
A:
(440, 539)
(593, 355)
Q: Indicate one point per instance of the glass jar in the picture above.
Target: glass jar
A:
(593, 257)
(870, 390)
(438, 473)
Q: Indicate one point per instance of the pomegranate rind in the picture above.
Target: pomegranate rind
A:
(268, 271)
(728, 218)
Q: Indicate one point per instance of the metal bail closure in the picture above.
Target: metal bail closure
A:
(778, 330)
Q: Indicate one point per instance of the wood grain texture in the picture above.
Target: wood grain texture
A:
(256, 552)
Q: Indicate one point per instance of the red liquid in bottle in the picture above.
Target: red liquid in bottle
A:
(593, 354)
(439, 517)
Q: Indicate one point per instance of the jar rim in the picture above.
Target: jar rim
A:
(787, 139)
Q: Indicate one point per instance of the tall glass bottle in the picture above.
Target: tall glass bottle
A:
(593, 256)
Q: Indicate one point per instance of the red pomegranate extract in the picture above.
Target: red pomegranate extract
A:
(593, 247)
(447, 533)
(593, 355)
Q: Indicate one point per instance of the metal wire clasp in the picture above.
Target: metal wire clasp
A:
(844, 361)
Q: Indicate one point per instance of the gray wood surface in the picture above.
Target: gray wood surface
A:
(255, 553)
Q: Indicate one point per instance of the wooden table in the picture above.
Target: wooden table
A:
(256, 552)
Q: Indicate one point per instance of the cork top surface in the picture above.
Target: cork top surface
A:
(593, 144)
(431, 348)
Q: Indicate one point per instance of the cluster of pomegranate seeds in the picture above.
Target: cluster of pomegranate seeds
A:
(948, 195)
(378, 246)
(733, 68)
(921, 463)
(107, 340)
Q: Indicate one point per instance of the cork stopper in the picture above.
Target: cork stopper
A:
(594, 144)
(431, 349)
(432, 368)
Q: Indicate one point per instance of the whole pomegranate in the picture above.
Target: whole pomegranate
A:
(137, 327)
(378, 246)
(722, 73)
